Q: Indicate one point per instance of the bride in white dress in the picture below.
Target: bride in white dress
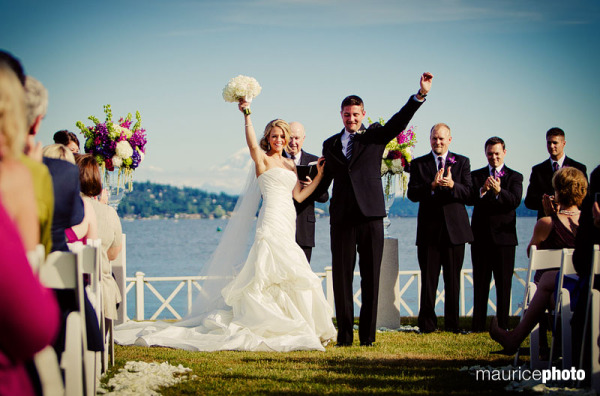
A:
(275, 302)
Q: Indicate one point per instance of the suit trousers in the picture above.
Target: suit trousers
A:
(366, 237)
(488, 259)
(432, 258)
(307, 252)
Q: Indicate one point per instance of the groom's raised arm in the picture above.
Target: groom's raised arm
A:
(400, 120)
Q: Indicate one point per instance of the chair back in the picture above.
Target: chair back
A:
(563, 312)
(36, 257)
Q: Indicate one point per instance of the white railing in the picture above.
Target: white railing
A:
(191, 283)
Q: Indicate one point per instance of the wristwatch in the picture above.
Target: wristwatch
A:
(420, 94)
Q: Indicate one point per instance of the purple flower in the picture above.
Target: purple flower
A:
(500, 174)
(135, 158)
(451, 160)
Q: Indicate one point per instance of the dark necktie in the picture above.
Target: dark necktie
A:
(349, 146)
(555, 166)
(293, 157)
(494, 173)
(440, 163)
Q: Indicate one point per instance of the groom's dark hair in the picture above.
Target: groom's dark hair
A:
(555, 132)
(352, 100)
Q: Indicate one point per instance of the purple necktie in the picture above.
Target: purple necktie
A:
(555, 166)
(440, 163)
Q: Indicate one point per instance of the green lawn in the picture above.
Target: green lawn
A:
(399, 363)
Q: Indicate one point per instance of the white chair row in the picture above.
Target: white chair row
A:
(545, 259)
(592, 320)
(65, 271)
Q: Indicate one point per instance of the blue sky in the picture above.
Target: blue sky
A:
(507, 68)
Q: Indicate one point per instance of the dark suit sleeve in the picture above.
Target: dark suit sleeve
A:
(462, 182)
(533, 198)
(510, 197)
(396, 124)
(419, 186)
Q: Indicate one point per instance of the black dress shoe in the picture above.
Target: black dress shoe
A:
(366, 344)
(343, 344)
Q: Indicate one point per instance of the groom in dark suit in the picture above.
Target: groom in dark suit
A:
(497, 192)
(441, 182)
(540, 187)
(305, 210)
(353, 162)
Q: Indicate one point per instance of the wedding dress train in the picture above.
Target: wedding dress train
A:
(274, 303)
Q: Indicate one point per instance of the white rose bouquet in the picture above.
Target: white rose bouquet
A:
(241, 87)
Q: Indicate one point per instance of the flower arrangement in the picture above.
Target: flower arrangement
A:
(241, 87)
(116, 145)
(397, 156)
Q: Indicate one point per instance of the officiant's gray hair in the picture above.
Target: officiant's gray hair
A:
(285, 127)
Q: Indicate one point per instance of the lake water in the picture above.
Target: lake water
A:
(181, 247)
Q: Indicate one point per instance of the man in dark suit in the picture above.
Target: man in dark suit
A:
(540, 190)
(353, 162)
(305, 210)
(497, 192)
(441, 182)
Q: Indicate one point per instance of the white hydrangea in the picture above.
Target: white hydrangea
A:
(124, 149)
(241, 87)
(117, 161)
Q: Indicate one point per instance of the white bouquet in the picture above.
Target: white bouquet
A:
(241, 87)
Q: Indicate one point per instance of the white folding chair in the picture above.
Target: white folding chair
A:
(592, 320)
(562, 311)
(48, 370)
(544, 259)
(62, 270)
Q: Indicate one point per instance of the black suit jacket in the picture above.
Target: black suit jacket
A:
(357, 187)
(305, 210)
(494, 219)
(442, 214)
(540, 183)
(68, 206)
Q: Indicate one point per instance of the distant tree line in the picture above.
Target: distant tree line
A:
(158, 200)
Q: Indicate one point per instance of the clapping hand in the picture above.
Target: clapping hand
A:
(443, 181)
(549, 205)
(492, 183)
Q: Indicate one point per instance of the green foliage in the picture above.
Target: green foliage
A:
(149, 199)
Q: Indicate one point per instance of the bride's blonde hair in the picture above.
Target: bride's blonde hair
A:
(285, 127)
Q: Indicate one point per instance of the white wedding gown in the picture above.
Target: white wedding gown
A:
(275, 303)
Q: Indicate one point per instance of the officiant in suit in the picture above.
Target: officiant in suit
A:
(441, 182)
(353, 163)
(497, 192)
(305, 210)
(540, 187)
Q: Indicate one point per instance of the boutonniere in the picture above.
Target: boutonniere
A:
(501, 173)
(451, 160)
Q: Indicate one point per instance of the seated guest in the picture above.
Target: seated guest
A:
(587, 237)
(68, 139)
(552, 232)
(29, 311)
(17, 191)
(88, 228)
(109, 230)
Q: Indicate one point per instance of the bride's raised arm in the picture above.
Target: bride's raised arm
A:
(257, 154)
(299, 193)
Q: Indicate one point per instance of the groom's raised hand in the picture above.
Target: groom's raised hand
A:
(426, 82)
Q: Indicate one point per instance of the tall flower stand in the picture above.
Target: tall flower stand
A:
(388, 307)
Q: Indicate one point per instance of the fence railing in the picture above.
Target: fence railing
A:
(408, 280)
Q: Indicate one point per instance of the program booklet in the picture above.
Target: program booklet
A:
(309, 170)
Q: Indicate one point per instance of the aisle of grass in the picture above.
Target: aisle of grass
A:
(399, 363)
